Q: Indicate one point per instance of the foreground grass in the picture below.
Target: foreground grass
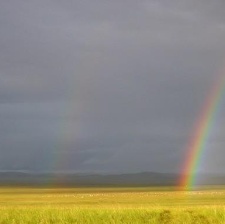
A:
(111, 205)
(120, 216)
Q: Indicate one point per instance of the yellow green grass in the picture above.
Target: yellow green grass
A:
(20, 205)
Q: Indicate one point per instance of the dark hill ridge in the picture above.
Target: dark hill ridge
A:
(70, 179)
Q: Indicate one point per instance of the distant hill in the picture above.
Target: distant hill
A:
(132, 179)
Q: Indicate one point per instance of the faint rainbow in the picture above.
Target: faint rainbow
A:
(81, 84)
(202, 130)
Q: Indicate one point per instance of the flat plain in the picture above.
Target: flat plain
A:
(22, 205)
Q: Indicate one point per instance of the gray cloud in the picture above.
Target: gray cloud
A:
(112, 86)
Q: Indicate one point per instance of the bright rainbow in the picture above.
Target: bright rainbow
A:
(202, 130)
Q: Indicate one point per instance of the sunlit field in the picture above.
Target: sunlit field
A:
(111, 205)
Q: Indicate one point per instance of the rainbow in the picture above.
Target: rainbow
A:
(202, 130)
(71, 126)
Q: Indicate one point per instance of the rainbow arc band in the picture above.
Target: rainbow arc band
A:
(202, 130)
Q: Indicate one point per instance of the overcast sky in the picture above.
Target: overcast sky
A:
(108, 86)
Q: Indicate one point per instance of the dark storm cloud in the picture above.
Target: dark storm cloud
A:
(110, 86)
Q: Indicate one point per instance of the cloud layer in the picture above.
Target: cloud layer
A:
(107, 86)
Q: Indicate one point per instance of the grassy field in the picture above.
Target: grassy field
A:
(111, 205)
